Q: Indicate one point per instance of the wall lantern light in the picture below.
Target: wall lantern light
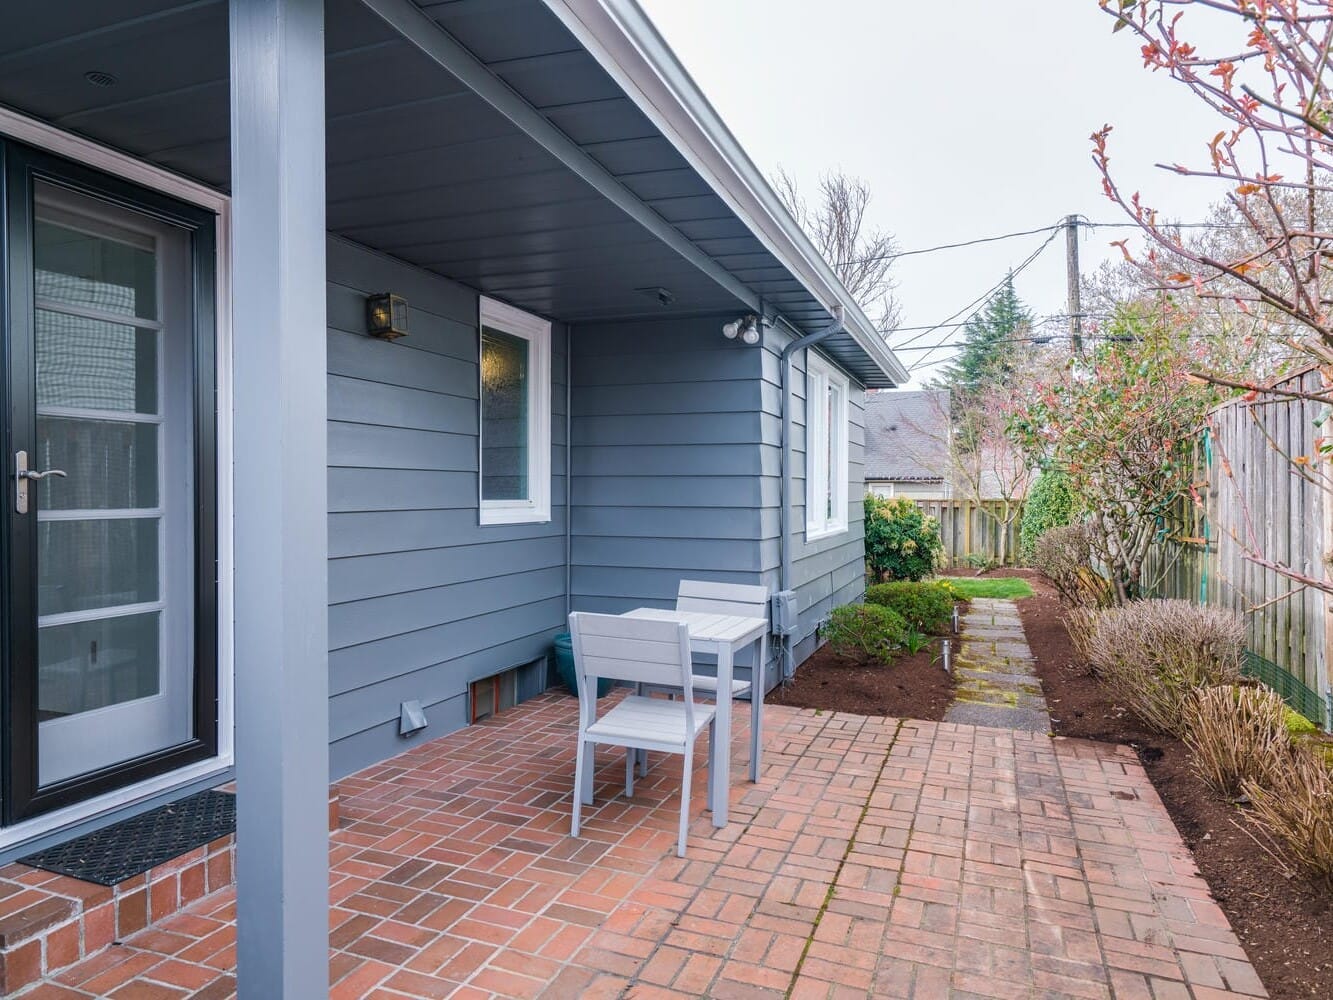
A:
(746, 328)
(386, 316)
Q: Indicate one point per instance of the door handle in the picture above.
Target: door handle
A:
(23, 475)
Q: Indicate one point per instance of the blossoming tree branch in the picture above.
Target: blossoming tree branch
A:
(1273, 154)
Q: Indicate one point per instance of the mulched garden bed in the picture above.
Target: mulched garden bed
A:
(912, 687)
(1286, 924)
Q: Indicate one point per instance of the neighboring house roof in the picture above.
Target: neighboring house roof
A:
(905, 435)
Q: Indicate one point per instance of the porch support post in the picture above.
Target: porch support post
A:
(281, 538)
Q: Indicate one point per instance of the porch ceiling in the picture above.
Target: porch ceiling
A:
(419, 166)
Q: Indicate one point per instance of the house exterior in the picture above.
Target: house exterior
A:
(907, 437)
(241, 531)
(908, 455)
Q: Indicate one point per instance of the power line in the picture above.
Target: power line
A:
(981, 299)
(1004, 340)
(1048, 318)
(1164, 225)
(1032, 232)
(1051, 338)
(946, 246)
(932, 326)
(1069, 225)
(980, 302)
(1111, 338)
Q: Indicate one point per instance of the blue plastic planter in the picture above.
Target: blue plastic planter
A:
(564, 666)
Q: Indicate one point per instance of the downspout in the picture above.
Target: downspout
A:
(569, 480)
(784, 515)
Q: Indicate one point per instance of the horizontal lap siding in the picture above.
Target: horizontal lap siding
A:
(422, 599)
(670, 479)
(828, 571)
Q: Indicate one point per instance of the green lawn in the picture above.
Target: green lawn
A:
(1011, 587)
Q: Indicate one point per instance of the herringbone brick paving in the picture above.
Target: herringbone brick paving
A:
(874, 858)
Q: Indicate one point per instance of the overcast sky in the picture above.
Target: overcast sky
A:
(967, 118)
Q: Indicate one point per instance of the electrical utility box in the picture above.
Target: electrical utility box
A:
(784, 612)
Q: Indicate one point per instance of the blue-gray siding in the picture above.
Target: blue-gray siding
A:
(422, 599)
(675, 474)
(676, 461)
(828, 571)
(669, 472)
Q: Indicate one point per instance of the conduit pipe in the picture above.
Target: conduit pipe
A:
(785, 526)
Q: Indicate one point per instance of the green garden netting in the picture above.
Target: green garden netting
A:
(1300, 698)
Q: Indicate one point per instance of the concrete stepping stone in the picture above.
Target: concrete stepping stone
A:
(996, 671)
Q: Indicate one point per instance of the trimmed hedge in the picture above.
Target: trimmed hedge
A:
(925, 606)
(1051, 503)
(865, 630)
(1153, 655)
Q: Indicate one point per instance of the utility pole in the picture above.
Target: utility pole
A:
(1072, 278)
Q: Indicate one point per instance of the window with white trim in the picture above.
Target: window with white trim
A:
(515, 424)
(826, 471)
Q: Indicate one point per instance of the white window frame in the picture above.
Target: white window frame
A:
(536, 509)
(820, 375)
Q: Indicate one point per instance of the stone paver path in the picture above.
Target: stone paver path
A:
(997, 676)
(876, 857)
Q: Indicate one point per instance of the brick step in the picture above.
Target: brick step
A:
(49, 922)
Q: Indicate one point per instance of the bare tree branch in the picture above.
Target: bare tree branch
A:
(861, 256)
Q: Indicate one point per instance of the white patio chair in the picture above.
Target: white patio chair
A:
(729, 599)
(655, 653)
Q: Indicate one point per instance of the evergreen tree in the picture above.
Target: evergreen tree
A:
(989, 343)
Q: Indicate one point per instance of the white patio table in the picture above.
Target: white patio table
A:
(724, 636)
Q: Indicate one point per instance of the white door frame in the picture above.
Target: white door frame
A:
(95, 156)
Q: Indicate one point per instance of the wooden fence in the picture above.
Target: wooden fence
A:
(1253, 497)
(968, 528)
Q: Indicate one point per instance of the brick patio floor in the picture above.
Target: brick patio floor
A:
(876, 857)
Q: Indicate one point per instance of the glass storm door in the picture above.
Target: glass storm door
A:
(105, 491)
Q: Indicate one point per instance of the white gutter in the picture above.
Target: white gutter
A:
(619, 35)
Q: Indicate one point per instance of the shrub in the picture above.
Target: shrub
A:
(1065, 558)
(1153, 654)
(1235, 733)
(951, 588)
(981, 562)
(865, 631)
(915, 641)
(902, 542)
(926, 607)
(1081, 622)
(1051, 503)
(1295, 805)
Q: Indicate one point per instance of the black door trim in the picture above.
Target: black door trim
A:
(20, 795)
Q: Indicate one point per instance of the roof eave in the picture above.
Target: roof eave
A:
(619, 35)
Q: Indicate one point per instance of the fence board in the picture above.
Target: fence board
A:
(968, 528)
(1268, 500)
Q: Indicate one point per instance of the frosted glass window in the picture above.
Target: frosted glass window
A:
(505, 395)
